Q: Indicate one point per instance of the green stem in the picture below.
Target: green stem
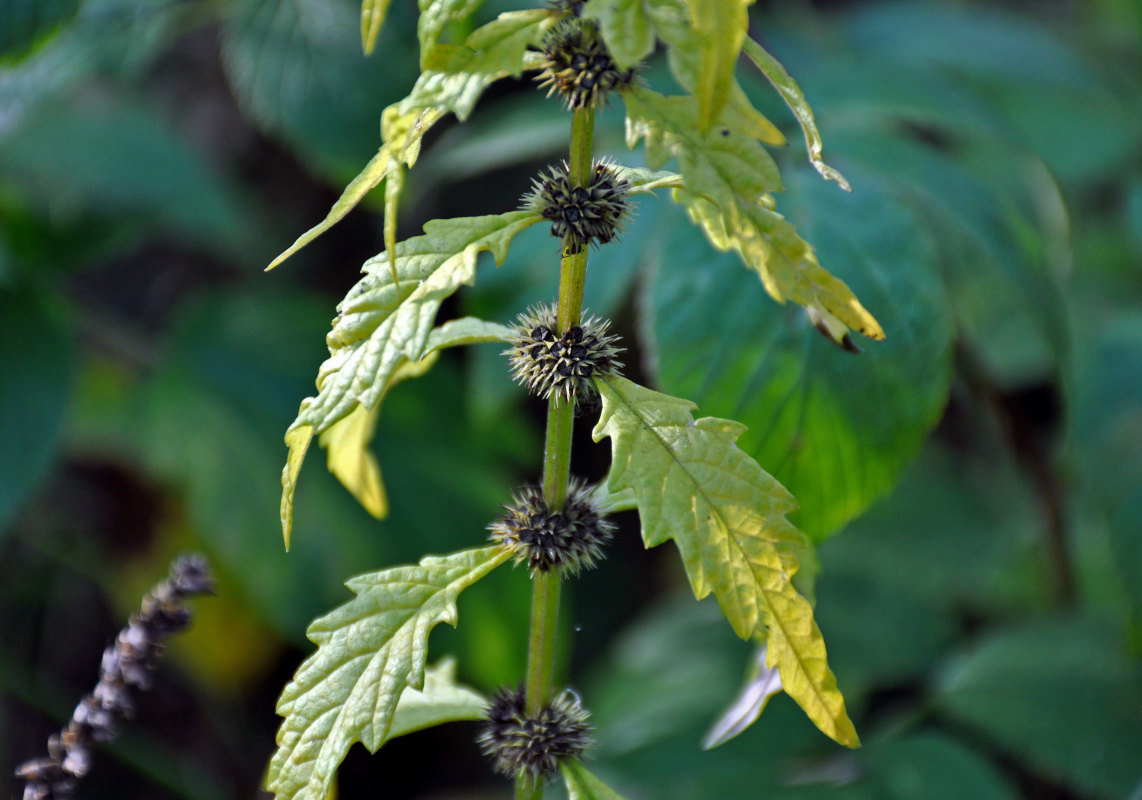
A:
(543, 636)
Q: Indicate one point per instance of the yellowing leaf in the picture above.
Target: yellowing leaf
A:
(794, 98)
(727, 517)
(373, 13)
(435, 16)
(370, 651)
(441, 700)
(384, 325)
(348, 457)
(728, 179)
(720, 26)
(582, 785)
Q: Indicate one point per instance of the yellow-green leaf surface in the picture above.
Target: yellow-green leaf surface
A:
(384, 326)
(455, 76)
(729, 178)
(794, 98)
(373, 13)
(727, 517)
(435, 16)
(441, 700)
(582, 785)
(370, 650)
(720, 26)
(626, 28)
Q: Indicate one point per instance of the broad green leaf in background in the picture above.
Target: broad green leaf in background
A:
(729, 177)
(440, 700)
(582, 785)
(727, 517)
(382, 324)
(370, 650)
(834, 428)
(297, 68)
(373, 13)
(1060, 694)
(720, 28)
(37, 362)
(26, 24)
(794, 98)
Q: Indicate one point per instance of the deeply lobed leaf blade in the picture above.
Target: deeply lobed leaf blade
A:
(370, 651)
(727, 517)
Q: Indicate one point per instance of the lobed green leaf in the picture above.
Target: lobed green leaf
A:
(435, 16)
(370, 651)
(720, 27)
(384, 324)
(441, 700)
(727, 517)
(626, 27)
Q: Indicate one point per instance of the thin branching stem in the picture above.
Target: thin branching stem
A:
(543, 635)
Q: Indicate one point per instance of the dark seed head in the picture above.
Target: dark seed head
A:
(561, 365)
(520, 744)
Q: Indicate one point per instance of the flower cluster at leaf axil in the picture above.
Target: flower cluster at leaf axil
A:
(581, 215)
(534, 745)
(567, 540)
(561, 364)
(578, 66)
(127, 663)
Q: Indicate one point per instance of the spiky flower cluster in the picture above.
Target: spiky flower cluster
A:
(567, 540)
(578, 66)
(127, 663)
(561, 365)
(581, 215)
(519, 744)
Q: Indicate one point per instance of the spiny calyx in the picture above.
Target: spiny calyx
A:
(578, 66)
(533, 746)
(561, 364)
(581, 215)
(566, 540)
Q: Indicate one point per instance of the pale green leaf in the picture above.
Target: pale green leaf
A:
(720, 26)
(435, 16)
(727, 517)
(348, 458)
(728, 178)
(641, 180)
(370, 650)
(373, 14)
(370, 177)
(763, 682)
(582, 785)
(794, 98)
(626, 28)
(385, 325)
(455, 76)
(441, 700)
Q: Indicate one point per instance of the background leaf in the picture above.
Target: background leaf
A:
(834, 428)
(24, 24)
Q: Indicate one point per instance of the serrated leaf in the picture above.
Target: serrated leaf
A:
(373, 13)
(626, 28)
(385, 324)
(435, 15)
(454, 76)
(582, 785)
(369, 651)
(728, 178)
(720, 26)
(369, 178)
(727, 517)
(794, 98)
(441, 700)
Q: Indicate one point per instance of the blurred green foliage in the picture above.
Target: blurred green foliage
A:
(979, 583)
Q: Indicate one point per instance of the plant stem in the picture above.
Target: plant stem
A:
(543, 636)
